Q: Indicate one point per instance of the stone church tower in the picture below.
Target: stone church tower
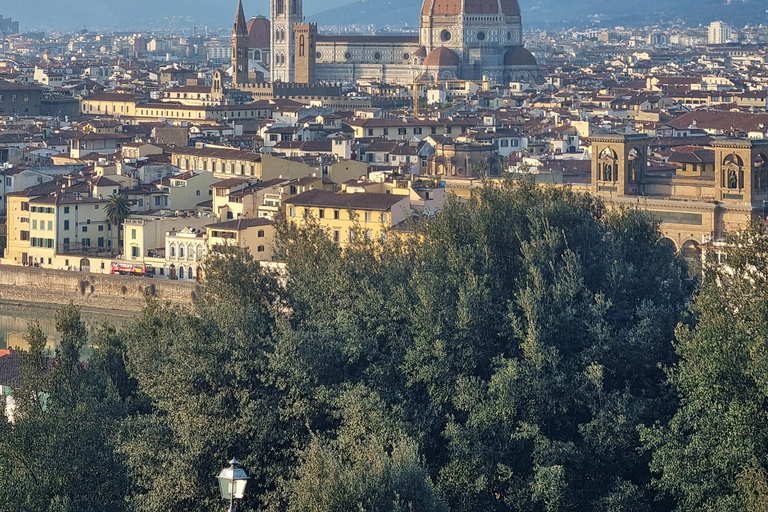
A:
(284, 15)
(240, 48)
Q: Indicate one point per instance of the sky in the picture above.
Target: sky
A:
(127, 14)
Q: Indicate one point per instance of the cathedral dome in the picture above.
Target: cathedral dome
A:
(519, 56)
(420, 52)
(442, 57)
(457, 7)
(258, 32)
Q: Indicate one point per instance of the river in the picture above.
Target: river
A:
(14, 319)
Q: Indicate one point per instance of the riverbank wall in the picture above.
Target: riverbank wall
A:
(101, 291)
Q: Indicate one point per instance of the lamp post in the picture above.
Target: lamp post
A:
(232, 482)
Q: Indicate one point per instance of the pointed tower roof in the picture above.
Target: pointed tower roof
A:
(240, 28)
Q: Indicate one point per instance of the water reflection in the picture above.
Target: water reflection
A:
(14, 319)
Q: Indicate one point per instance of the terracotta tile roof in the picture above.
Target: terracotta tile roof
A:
(327, 199)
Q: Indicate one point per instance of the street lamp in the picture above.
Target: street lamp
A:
(232, 482)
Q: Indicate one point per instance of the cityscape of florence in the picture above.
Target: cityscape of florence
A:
(425, 255)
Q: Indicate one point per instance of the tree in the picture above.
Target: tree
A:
(713, 453)
(205, 375)
(117, 210)
(57, 454)
(518, 336)
(367, 463)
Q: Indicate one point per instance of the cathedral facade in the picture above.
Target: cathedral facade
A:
(458, 39)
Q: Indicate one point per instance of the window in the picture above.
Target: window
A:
(66, 241)
(173, 251)
(197, 192)
(260, 233)
(504, 143)
(135, 252)
(50, 225)
(85, 229)
(336, 214)
(260, 248)
(402, 131)
(383, 217)
(367, 216)
(189, 273)
(386, 132)
(336, 235)
(370, 132)
(417, 131)
(95, 207)
(66, 209)
(8, 181)
(181, 251)
(34, 223)
(291, 211)
(321, 213)
(157, 200)
(133, 234)
(101, 228)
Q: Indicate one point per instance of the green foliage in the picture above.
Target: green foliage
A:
(203, 374)
(118, 209)
(501, 356)
(711, 455)
(57, 453)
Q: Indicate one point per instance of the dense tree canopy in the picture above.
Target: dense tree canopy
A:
(508, 354)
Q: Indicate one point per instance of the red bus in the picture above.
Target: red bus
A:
(131, 269)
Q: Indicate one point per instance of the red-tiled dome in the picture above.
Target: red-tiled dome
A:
(519, 56)
(420, 52)
(442, 57)
(258, 32)
(456, 7)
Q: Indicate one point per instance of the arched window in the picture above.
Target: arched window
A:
(181, 251)
(181, 272)
(280, 7)
(173, 251)
(190, 273)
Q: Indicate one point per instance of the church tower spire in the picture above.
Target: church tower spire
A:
(285, 14)
(239, 48)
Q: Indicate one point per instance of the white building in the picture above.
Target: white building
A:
(718, 33)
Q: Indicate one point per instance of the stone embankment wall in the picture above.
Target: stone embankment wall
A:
(104, 291)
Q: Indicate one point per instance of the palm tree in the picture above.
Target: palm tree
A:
(117, 210)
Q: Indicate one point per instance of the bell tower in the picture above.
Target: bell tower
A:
(239, 48)
(619, 164)
(285, 14)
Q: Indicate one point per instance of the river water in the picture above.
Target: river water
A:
(14, 319)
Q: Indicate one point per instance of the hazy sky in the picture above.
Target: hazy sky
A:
(74, 14)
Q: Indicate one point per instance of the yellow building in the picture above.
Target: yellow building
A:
(343, 216)
(57, 229)
(255, 234)
(110, 104)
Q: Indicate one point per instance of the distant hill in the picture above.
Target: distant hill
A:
(556, 13)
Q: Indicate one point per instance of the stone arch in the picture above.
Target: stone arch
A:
(608, 153)
(181, 271)
(733, 159)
